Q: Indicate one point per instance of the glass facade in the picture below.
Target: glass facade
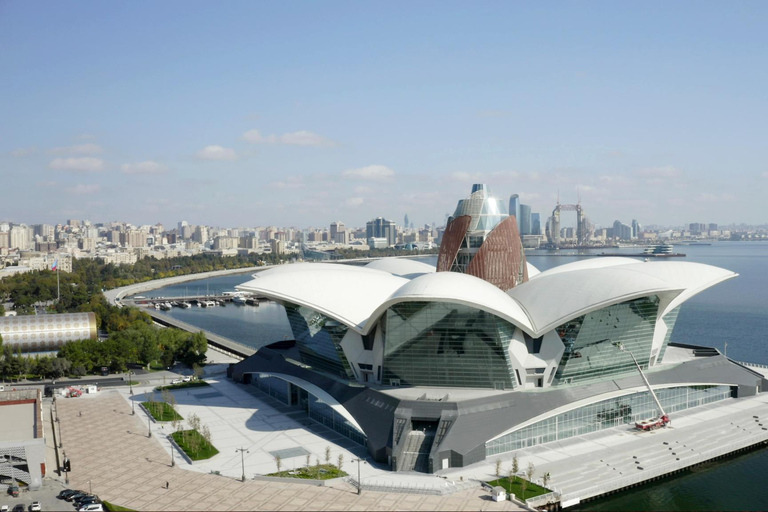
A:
(669, 319)
(445, 344)
(589, 350)
(291, 394)
(606, 414)
(319, 340)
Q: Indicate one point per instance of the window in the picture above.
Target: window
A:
(368, 341)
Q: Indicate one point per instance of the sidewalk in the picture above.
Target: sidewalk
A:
(109, 448)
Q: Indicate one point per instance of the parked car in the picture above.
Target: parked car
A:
(18, 508)
(4, 508)
(13, 490)
(88, 497)
(35, 507)
(92, 507)
(66, 492)
(87, 501)
(78, 494)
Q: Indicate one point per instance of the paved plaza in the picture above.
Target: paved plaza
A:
(111, 453)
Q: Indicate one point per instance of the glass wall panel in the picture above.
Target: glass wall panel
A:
(669, 319)
(444, 344)
(606, 414)
(589, 351)
(319, 340)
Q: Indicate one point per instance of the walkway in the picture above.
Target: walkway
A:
(110, 451)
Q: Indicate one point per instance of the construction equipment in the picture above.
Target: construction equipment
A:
(662, 420)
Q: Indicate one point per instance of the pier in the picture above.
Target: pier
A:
(223, 344)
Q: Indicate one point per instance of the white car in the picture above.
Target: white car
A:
(35, 507)
(4, 508)
(92, 507)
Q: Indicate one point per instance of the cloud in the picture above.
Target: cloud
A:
(667, 171)
(289, 182)
(83, 164)
(714, 198)
(371, 172)
(78, 149)
(83, 190)
(146, 167)
(354, 201)
(20, 152)
(300, 138)
(46, 184)
(363, 189)
(217, 153)
(765, 174)
(474, 177)
(305, 138)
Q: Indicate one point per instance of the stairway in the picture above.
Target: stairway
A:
(415, 453)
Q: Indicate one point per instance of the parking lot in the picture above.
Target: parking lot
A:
(47, 496)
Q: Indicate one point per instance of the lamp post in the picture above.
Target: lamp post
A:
(359, 482)
(90, 489)
(149, 424)
(242, 451)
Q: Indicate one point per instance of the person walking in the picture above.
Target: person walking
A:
(166, 484)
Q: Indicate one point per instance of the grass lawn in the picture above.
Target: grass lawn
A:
(321, 472)
(194, 444)
(531, 489)
(161, 411)
(190, 384)
(116, 508)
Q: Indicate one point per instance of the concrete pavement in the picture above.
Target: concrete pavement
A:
(110, 450)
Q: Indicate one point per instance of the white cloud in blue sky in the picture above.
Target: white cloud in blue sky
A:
(302, 114)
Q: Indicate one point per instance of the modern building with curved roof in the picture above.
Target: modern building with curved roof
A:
(432, 370)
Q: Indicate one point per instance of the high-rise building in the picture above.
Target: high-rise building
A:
(381, 228)
(622, 231)
(524, 221)
(637, 228)
(405, 221)
(19, 237)
(200, 235)
(536, 224)
(278, 246)
(335, 228)
(514, 208)
(482, 240)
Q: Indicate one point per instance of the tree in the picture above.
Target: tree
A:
(498, 469)
(545, 478)
(340, 461)
(309, 459)
(327, 454)
(515, 466)
(530, 471)
(510, 477)
(523, 487)
(278, 462)
(197, 371)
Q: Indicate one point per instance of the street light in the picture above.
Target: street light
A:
(149, 424)
(242, 451)
(359, 482)
(90, 489)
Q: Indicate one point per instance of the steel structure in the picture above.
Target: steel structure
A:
(582, 223)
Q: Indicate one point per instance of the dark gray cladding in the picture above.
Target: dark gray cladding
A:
(475, 421)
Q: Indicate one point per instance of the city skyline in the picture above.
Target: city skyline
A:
(154, 113)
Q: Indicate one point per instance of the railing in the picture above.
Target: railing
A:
(753, 365)
(446, 487)
(649, 474)
(543, 499)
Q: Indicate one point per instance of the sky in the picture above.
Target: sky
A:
(302, 113)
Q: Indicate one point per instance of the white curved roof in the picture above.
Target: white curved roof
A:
(461, 289)
(343, 292)
(358, 296)
(553, 298)
(402, 267)
(532, 271)
(587, 263)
